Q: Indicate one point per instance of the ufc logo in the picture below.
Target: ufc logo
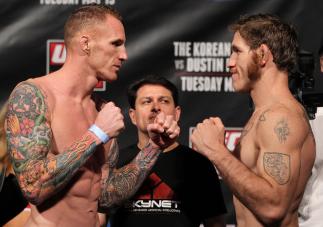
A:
(232, 136)
(58, 53)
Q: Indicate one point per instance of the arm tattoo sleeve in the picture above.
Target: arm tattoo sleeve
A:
(122, 183)
(29, 138)
(113, 155)
(277, 165)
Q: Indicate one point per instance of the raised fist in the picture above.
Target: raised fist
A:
(208, 137)
(110, 120)
(164, 131)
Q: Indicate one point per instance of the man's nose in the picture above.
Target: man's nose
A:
(123, 55)
(231, 62)
(156, 107)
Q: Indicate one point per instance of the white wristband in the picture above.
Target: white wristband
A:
(99, 133)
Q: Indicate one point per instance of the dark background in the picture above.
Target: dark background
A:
(151, 29)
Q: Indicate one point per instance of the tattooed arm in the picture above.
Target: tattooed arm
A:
(267, 188)
(29, 138)
(279, 136)
(120, 184)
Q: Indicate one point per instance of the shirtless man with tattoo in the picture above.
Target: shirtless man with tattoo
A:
(61, 138)
(269, 168)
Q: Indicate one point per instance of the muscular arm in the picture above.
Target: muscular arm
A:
(269, 190)
(29, 138)
(121, 184)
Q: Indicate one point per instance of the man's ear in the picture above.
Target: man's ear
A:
(264, 54)
(84, 44)
(132, 116)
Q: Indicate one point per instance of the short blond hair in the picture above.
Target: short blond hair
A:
(87, 16)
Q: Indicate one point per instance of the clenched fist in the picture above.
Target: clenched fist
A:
(164, 131)
(110, 120)
(208, 137)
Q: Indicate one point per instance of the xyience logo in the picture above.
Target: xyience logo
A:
(231, 139)
(56, 55)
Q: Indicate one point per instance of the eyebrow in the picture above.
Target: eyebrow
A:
(118, 41)
(159, 97)
(235, 48)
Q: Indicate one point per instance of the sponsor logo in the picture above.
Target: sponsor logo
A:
(154, 204)
(232, 137)
(154, 196)
(154, 188)
(56, 56)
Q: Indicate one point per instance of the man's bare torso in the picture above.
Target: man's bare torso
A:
(76, 204)
(249, 153)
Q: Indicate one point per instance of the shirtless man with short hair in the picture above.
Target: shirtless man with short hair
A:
(61, 138)
(271, 164)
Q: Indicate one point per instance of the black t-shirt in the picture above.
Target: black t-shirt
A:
(183, 189)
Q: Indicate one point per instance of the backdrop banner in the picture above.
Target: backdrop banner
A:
(186, 41)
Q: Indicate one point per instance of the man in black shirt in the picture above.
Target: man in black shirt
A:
(183, 188)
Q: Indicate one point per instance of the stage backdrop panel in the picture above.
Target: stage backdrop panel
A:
(186, 41)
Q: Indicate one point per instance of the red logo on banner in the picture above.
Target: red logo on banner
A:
(56, 55)
(232, 136)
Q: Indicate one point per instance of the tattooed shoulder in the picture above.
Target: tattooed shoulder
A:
(27, 99)
(262, 116)
(277, 165)
(282, 130)
(28, 131)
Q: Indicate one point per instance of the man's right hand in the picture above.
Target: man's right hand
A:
(208, 137)
(164, 131)
(110, 120)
